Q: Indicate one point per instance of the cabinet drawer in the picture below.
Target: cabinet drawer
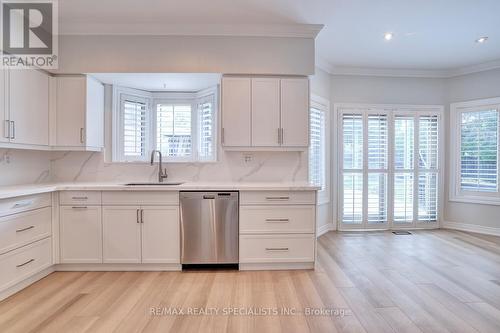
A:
(22, 263)
(277, 219)
(276, 248)
(23, 228)
(278, 198)
(21, 204)
(143, 198)
(75, 198)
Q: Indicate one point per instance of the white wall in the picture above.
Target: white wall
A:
(321, 86)
(464, 88)
(24, 167)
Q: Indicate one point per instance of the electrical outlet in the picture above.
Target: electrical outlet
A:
(247, 158)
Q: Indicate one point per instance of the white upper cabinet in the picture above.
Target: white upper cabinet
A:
(295, 112)
(236, 112)
(4, 115)
(79, 120)
(26, 107)
(265, 112)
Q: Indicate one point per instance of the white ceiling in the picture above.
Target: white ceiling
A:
(429, 34)
(161, 82)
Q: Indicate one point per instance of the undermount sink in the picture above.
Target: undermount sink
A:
(155, 184)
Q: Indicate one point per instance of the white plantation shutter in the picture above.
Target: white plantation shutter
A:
(428, 163)
(377, 157)
(479, 151)
(174, 130)
(404, 151)
(206, 128)
(352, 133)
(134, 120)
(317, 143)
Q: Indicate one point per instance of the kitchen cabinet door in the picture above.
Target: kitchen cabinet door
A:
(81, 234)
(29, 106)
(265, 112)
(160, 235)
(4, 109)
(71, 107)
(236, 112)
(295, 112)
(121, 234)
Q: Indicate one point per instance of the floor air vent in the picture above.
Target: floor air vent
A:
(401, 233)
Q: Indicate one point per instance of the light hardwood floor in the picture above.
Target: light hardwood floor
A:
(430, 281)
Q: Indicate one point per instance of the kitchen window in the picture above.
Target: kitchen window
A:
(318, 146)
(475, 151)
(389, 172)
(180, 125)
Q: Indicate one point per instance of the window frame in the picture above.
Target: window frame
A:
(391, 110)
(322, 104)
(153, 99)
(456, 193)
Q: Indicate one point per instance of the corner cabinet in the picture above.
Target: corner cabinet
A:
(79, 114)
(263, 113)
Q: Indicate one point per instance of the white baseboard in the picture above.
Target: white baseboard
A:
(117, 267)
(325, 228)
(276, 266)
(471, 228)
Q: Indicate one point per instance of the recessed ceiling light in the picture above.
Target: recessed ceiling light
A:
(388, 36)
(481, 40)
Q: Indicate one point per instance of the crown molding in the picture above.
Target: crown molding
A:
(399, 72)
(166, 29)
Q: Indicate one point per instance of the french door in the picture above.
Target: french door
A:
(389, 167)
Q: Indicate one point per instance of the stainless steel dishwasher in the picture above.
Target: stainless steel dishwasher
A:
(209, 228)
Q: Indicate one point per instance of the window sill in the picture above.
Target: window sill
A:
(493, 201)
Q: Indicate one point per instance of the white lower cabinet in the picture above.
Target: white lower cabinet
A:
(277, 229)
(121, 234)
(80, 234)
(160, 235)
(141, 234)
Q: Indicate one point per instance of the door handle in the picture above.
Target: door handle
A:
(79, 207)
(222, 135)
(81, 135)
(209, 197)
(79, 198)
(13, 132)
(278, 198)
(277, 220)
(137, 216)
(276, 249)
(142, 215)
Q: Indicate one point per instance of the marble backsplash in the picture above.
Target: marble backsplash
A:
(24, 167)
(232, 166)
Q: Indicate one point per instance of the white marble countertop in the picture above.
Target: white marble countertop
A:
(20, 190)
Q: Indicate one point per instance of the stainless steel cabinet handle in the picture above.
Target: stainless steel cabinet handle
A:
(282, 135)
(276, 249)
(277, 220)
(13, 131)
(222, 136)
(81, 135)
(278, 198)
(79, 207)
(6, 129)
(27, 262)
(279, 136)
(79, 198)
(142, 215)
(22, 204)
(24, 229)
(137, 216)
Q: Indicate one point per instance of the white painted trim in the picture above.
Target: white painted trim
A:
(471, 228)
(324, 229)
(405, 72)
(168, 29)
(117, 267)
(25, 283)
(455, 192)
